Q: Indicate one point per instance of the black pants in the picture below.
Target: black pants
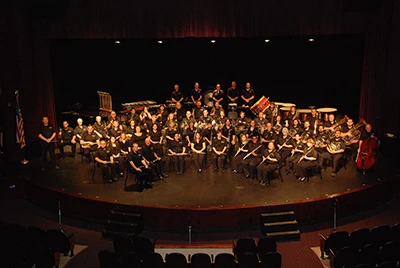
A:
(198, 160)
(237, 162)
(179, 161)
(292, 160)
(157, 166)
(284, 154)
(265, 169)
(67, 143)
(143, 177)
(109, 171)
(301, 168)
(334, 157)
(50, 148)
(250, 166)
(215, 158)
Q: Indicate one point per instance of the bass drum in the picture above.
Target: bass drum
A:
(208, 101)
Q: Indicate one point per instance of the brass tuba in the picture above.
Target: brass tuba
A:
(354, 133)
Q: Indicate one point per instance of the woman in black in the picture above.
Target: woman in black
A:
(307, 160)
(199, 151)
(269, 163)
(125, 145)
(138, 137)
(177, 151)
(115, 150)
(240, 152)
(130, 129)
(157, 139)
(252, 130)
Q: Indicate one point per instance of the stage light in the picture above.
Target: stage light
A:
(117, 42)
(159, 42)
(213, 41)
(311, 40)
(266, 40)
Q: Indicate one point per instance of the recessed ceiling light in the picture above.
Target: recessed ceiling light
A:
(159, 42)
(213, 41)
(117, 42)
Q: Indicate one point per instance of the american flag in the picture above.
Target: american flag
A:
(20, 123)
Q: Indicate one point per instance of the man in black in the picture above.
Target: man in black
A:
(269, 135)
(46, 135)
(270, 162)
(253, 158)
(248, 96)
(89, 142)
(67, 138)
(177, 151)
(321, 139)
(218, 95)
(335, 150)
(285, 144)
(105, 161)
(233, 93)
(180, 112)
(196, 93)
(198, 111)
(155, 162)
(140, 168)
(219, 146)
(176, 95)
(134, 117)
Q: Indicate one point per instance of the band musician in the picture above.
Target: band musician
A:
(140, 168)
(307, 160)
(176, 95)
(218, 95)
(177, 151)
(105, 161)
(268, 135)
(66, 136)
(196, 93)
(154, 161)
(335, 150)
(46, 136)
(296, 153)
(233, 93)
(285, 144)
(79, 130)
(253, 158)
(248, 96)
(240, 152)
(89, 142)
(321, 139)
(198, 147)
(219, 146)
(269, 163)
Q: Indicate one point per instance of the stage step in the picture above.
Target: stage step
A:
(123, 224)
(280, 225)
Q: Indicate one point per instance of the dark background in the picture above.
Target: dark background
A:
(324, 73)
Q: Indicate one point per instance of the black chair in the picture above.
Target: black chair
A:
(175, 260)
(265, 245)
(387, 264)
(333, 242)
(380, 235)
(122, 245)
(248, 259)
(142, 245)
(368, 254)
(152, 260)
(224, 260)
(130, 259)
(359, 237)
(244, 245)
(345, 257)
(390, 251)
(107, 259)
(271, 260)
(200, 260)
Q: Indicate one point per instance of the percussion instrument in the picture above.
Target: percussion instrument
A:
(260, 106)
(285, 111)
(232, 107)
(303, 113)
(284, 104)
(208, 101)
(325, 112)
(139, 105)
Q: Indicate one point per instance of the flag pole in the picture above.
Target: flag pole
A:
(20, 133)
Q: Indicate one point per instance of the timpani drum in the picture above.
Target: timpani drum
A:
(304, 113)
(324, 112)
(284, 111)
(260, 106)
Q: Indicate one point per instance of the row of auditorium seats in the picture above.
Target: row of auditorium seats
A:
(33, 246)
(363, 247)
(140, 252)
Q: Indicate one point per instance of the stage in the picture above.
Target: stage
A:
(208, 200)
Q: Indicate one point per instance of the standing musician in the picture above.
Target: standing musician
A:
(180, 112)
(313, 119)
(252, 158)
(228, 132)
(116, 130)
(157, 139)
(335, 150)
(115, 150)
(219, 146)
(105, 161)
(233, 93)
(241, 150)
(134, 116)
(285, 144)
(321, 139)
(140, 168)
(111, 120)
(296, 153)
(268, 135)
(252, 130)
(154, 161)
(176, 95)
(269, 163)
(196, 93)
(46, 135)
(125, 146)
(218, 95)
(198, 147)
(307, 160)
(79, 130)
(248, 95)
(99, 127)
(89, 142)
(198, 110)
(66, 136)
(177, 150)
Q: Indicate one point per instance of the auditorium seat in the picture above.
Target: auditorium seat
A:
(387, 264)
(359, 237)
(107, 259)
(368, 254)
(247, 260)
(380, 234)
(271, 260)
(395, 232)
(265, 245)
(244, 245)
(334, 242)
(390, 251)
(224, 260)
(345, 257)
(152, 260)
(200, 260)
(175, 260)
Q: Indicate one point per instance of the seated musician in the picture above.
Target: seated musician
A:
(145, 117)
(154, 120)
(335, 149)
(99, 127)
(66, 135)
(180, 112)
(321, 139)
(313, 119)
(177, 151)
(170, 132)
(162, 114)
(197, 94)
(78, 131)
(233, 93)
(278, 124)
(221, 119)
(285, 144)
(331, 121)
(247, 96)
(133, 117)
(242, 123)
(307, 160)
(216, 110)
(111, 120)
(115, 149)
(296, 153)
(268, 135)
(140, 168)
(261, 121)
(186, 120)
(188, 134)
(155, 162)
(271, 112)
(208, 134)
(366, 147)
(218, 95)
(198, 147)
(240, 151)
(269, 163)
(308, 132)
(89, 142)
(198, 111)
(139, 136)
(205, 118)
(105, 161)
(252, 129)
(349, 136)
(252, 158)
(171, 119)
(219, 146)
(176, 95)
(293, 114)
(295, 127)
(131, 128)
(116, 130)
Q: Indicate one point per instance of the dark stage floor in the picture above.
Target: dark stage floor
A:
(207, 189)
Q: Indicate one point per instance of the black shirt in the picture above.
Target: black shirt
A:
(103, 154)
(78, 132)
(219, 144)
(114, 148)
(148, 152)
(233, 93)
(198, 145)
(269, 135)
(114, 132)
(138, 139)
(196, 93)
(218, 94)
(180, 114)
(176, 146)
(92, 137)
(252, 146)
(136, 158)
(282, 140)
(155, 136)
(248, 93)
(274, 154)
(67, 134)
(176, 95)
(46, 131)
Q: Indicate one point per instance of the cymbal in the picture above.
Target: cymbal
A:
(71, 112)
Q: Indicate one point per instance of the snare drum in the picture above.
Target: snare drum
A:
(325, 112)
(232, 107)
(260, 106)
(304, 113)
